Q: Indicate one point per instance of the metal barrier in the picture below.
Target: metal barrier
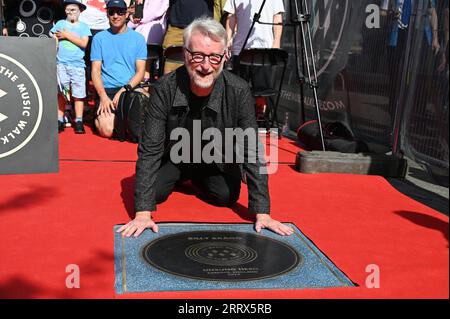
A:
(391, 91)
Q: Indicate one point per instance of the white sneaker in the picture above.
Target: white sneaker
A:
(67, 122)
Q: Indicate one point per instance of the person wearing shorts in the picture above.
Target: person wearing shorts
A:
(72, 38)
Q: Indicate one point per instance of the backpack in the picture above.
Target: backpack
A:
(129, 114)
(337, 137)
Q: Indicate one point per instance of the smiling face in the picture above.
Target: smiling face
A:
(203, 74)
(117, 17)
(72, 12)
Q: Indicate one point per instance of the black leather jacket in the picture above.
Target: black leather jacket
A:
(230, 105)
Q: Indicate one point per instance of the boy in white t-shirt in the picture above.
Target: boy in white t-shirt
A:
(239, 22)
(240, 18)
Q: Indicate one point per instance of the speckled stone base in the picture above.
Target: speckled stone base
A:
(134, 274)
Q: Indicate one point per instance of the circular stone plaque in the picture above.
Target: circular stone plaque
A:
(221, 255)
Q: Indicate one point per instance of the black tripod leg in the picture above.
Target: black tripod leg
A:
(255, 19)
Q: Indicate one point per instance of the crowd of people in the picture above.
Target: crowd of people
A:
(131, 24)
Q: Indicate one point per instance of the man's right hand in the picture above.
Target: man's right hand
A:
(135, 20)
(142, 221)
(105, 106)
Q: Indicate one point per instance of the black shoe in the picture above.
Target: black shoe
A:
(79, 128)
(60, 126)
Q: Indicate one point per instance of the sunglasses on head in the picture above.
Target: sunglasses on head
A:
(119, 12)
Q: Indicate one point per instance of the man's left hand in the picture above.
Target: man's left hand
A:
(436, 46)
(265, 221)
(115, 101)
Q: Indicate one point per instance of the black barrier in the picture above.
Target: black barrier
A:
(424, 130)
(392, 94)
(28, 106)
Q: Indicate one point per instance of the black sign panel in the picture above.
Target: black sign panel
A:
(28, 106)
(221, 255)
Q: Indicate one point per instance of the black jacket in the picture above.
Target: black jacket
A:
(230, 106)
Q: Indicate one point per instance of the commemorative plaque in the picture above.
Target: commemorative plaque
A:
(221, 255)
(28, 103)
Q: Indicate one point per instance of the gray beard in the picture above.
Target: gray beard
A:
(204, 85)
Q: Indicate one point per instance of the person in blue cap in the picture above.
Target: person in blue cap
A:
(118, 57)
(72, 36)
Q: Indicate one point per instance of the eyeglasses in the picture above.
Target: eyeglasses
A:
(72, 10)
(120, 12)
(199, 57)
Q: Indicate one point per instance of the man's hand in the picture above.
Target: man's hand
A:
(265, 221)
(142, 221)
(442, 63)
(134, 20)
(115, 101)
(435, 45)
(5, 32)
(61, 35)
(105, 106)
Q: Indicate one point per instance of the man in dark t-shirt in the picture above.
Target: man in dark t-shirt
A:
(181, 14)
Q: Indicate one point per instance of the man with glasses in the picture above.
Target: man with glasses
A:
(118, 58)
(197, 97)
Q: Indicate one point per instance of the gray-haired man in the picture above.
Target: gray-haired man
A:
(199, 92)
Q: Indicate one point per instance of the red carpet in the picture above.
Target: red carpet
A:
(54, 220)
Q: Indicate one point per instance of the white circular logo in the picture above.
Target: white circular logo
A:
(21, 26)
(21, 106)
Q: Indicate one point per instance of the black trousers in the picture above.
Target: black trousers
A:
(216, 187)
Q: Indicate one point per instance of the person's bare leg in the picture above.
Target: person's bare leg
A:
(61, 107)
(79, 108)
(105, 125)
